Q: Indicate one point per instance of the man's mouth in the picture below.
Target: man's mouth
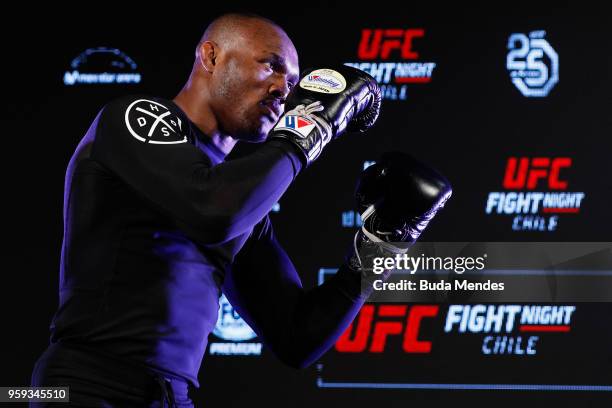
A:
(272, 108)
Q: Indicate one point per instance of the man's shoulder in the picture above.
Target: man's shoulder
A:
(147, 118)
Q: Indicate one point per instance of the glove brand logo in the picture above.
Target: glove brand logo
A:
(102, 66)
(381, 44)
(327, 81)
(232, 328)
(300, 125)
(151, 122)
(531, 73)
(296, 122)
(532, 209)
(324, 81)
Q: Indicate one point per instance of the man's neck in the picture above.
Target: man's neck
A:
(198, 110)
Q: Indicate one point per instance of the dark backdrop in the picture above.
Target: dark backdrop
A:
(467, 121)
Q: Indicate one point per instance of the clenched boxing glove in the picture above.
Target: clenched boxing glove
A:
(396, 197)
(325, 104)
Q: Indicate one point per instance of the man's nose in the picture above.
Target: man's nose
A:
(280, 87)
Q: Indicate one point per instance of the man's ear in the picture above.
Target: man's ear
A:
(207, 54)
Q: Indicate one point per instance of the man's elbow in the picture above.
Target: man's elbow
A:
(298, 360)
(298, 364)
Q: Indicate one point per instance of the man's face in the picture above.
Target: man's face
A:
(252, 78)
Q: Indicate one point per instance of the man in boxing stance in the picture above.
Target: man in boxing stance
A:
(157, 223)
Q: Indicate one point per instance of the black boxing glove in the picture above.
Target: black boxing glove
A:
(325, 104)
(396, 197)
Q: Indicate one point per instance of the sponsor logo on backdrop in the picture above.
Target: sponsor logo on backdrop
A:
(535, 193)
(375, 324)
(533, 64)
(509, 329)
(465, 345)
(351, 219)
(234, 332)
(501, 329)
(102, 66)
(391, 56)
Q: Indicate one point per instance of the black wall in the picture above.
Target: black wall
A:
(466, 122)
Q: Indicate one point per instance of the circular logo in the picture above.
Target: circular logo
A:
(152, 122)
(324, 81)
(230, 325)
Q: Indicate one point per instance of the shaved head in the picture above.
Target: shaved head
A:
(245, 65)
(226, 26)
(242, 29)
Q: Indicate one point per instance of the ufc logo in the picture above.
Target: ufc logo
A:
(380, 42)
(391, 320)
(525, 172)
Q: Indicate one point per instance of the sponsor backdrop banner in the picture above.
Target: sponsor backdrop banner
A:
(513, 107)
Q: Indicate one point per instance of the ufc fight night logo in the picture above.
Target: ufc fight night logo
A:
(535, 210)
(532, 63)
(151, 122)
(377, 50)
(515, 330)
(376, 323)
(509, 329)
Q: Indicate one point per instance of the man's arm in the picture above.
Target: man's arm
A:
(398, 197)
(212, 203)
(141, 141)
(298, 325)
